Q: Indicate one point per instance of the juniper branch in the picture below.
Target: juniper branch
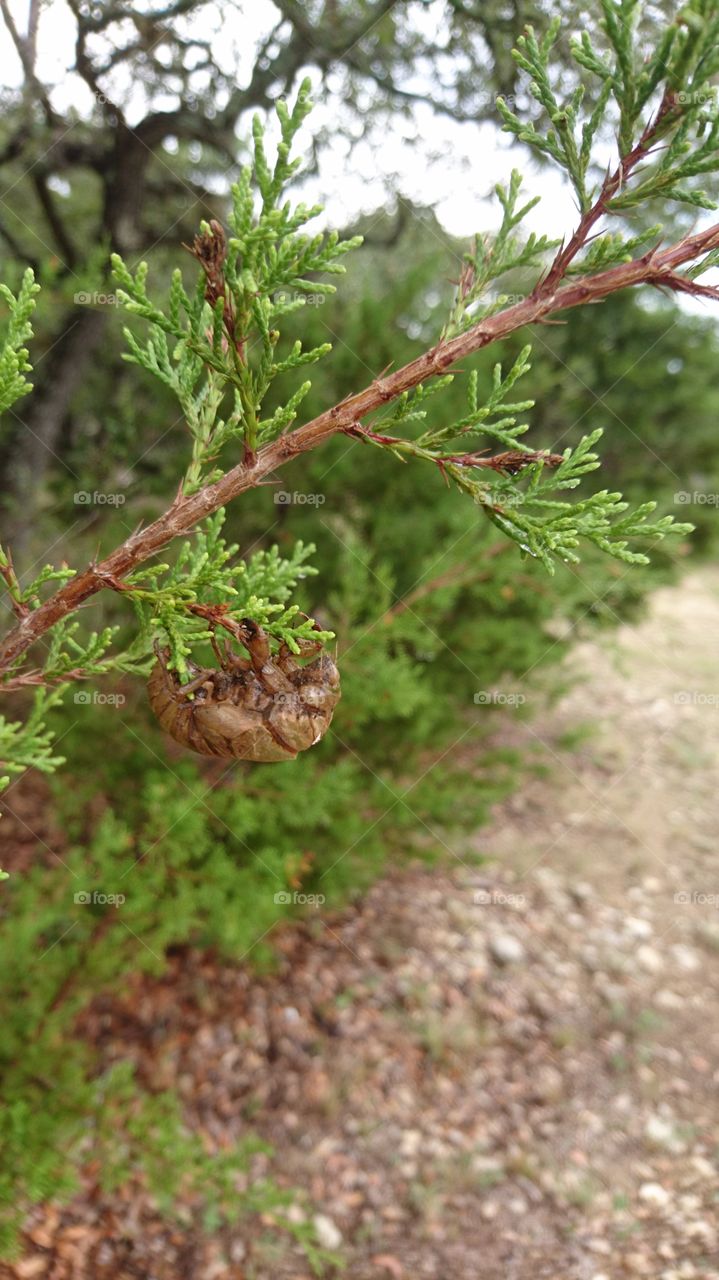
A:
(657, 268)
(612, 185)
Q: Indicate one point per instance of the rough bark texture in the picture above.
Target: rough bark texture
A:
(39, 425)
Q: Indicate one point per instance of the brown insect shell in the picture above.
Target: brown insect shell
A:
(265, 716)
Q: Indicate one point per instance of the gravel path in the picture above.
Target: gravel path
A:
(508, 1072)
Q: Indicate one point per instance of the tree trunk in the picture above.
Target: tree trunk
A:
(34, 444)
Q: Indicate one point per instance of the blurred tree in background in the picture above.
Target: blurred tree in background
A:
(132, 147)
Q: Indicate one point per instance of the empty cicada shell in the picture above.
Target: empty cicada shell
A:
(265, 709)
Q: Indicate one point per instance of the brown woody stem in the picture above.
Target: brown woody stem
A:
(611, 186)
(658, 268)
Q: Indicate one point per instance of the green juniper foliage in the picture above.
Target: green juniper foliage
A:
(14, 361)
(207, 569)
(495, 256)
(247, 286)
(218, 347)
(680, 72)
(543, 526)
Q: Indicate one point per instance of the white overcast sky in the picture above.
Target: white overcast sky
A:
(454, 167)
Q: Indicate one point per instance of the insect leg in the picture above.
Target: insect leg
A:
(216, 648)
(204, 678)
(276, 735)
(162, 656)
(255, 642)
(232, 662)
(286, 660)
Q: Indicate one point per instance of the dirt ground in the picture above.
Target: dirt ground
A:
(504, 1072)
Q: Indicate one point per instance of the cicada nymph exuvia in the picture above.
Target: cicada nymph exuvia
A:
(265, 708)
